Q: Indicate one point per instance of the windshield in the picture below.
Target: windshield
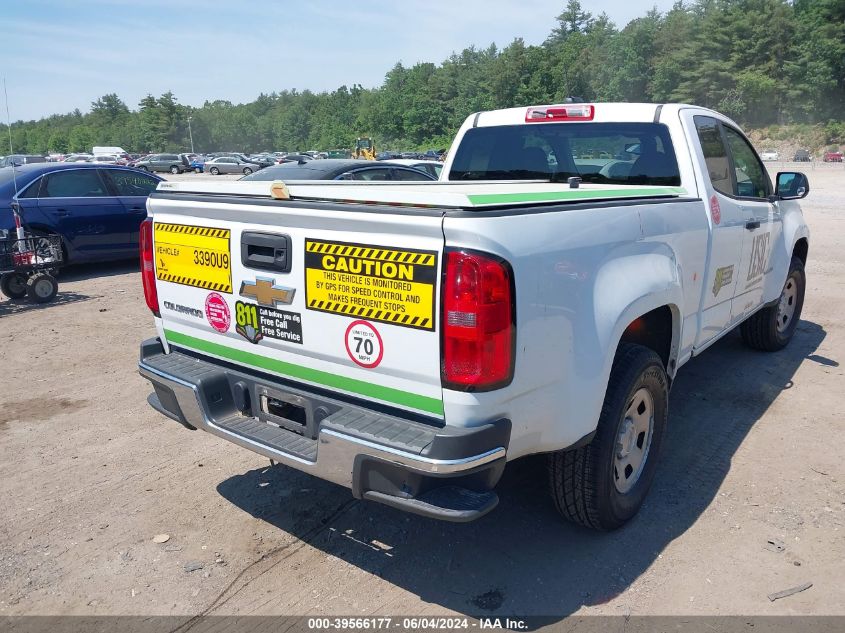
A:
(617, 153)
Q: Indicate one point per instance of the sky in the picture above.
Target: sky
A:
(64, 54)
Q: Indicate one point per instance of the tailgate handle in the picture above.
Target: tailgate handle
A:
(266, 251)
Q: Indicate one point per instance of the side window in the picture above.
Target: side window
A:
(128, 183)
(31, 191)
(715, 154)
(409, 174)
(752, 181)
(77, 183)
(377, 173)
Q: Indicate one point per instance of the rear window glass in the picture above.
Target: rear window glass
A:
(618, 153)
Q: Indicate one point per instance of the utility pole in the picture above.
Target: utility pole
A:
(190, 134)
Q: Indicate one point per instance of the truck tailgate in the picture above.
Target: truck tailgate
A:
(342, 299)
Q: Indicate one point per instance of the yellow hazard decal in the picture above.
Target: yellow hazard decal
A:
(372, 282)
(193, 256)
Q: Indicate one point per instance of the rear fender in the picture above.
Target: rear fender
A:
(629, 287)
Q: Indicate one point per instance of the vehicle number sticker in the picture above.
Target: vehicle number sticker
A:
(389, 285)
(364, 344)
(193, 256)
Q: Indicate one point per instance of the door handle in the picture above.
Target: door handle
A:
(753, 224)
(63, 213)
(266, 251)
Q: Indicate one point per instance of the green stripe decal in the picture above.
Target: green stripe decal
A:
(359, 387)
(573, 194)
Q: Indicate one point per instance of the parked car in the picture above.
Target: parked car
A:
(263, 160)
(104, 160)
(231, 165)
(78, 158)
(434, 154)
(802, 156)
(769, 154)
(295, 158)
(339, 169)
(21, 159)
(97, 209)
(432, 167)
(832, 156)
(173, 163)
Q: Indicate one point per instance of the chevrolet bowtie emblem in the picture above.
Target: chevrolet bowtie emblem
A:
(267, 293)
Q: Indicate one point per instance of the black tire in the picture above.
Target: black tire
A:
(142, 167)
(13, 285)
(771, 328)
(41, 287)
(583, 481)
(247, 171)
(175, 170)
(214, 171)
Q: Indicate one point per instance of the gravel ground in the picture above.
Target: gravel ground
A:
(90, 475)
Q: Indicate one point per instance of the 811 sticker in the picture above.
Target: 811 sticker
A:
(364, 344)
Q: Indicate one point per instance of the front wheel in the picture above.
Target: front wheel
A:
(13, 285)
(603, 484)
(771, 328)
(41, 287)
(214, 171)
(247, 171)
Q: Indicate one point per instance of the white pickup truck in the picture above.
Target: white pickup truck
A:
(407, 339)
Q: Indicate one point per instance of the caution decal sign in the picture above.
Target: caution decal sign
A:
(373, 282)
(193, 256)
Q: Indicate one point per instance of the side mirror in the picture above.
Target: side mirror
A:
(791, 185)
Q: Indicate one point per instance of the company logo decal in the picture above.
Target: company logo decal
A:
(724, 277)
(267, 293)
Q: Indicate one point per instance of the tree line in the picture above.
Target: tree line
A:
(762, 62)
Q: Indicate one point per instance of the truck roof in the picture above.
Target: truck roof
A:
(603, 112)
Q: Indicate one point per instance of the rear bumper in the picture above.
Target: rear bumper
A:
(441, 472)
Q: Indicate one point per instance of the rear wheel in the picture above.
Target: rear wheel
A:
(247, 171)
(603, 484)
(771, 328)
(41, 287)
(175, 170)
(13, 285)
(214, 171)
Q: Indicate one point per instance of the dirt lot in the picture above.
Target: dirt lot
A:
(90, 474)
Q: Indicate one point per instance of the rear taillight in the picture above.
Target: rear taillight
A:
(478, 322)
(148, 271)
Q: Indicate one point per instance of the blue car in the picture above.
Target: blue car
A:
(97, 209)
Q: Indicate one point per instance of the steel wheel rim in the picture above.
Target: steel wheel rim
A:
(633, 441)
(43, 288)
(786, 305)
